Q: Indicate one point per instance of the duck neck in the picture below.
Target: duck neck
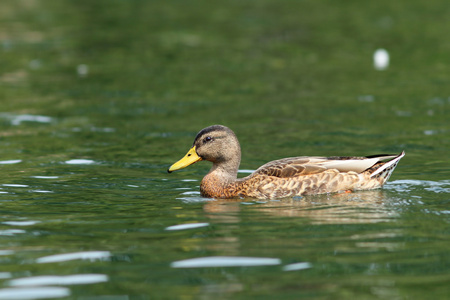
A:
(219, 178)
(226, 174)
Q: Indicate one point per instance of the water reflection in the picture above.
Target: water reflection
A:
(359, 207)
(345, 208)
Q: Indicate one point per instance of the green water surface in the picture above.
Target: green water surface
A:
(98, 98)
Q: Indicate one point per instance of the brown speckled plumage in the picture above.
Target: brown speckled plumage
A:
(282, 178)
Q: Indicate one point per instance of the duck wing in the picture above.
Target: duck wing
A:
(308, 165)
(290, 167)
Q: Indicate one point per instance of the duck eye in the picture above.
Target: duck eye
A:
(207, 139)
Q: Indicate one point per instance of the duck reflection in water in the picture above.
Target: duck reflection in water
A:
(341, 208)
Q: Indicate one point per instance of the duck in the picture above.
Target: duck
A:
(282, 178)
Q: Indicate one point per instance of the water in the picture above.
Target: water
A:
(99, 98)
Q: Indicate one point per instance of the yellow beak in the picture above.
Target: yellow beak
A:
(190, 158)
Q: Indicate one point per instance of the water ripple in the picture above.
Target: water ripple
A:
(297, 266)
(59, 280)
(18, 119)
(14, 185)
(33, 293)
(407, 185)
(20, 223)
(10, 162)
(225, 261)
(11, 232)
(80, 162)
(187, 226)
(87, 255)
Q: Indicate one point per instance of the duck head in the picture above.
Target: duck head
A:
(217, 144)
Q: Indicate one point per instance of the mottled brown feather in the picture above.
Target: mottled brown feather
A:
(289, 167)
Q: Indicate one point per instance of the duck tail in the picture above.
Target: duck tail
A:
(385, 169)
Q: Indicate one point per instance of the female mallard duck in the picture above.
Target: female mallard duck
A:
(288, 177)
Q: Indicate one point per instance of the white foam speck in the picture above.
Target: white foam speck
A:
(82, 70)
(381, 59)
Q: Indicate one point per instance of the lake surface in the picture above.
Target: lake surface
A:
(99, 98)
